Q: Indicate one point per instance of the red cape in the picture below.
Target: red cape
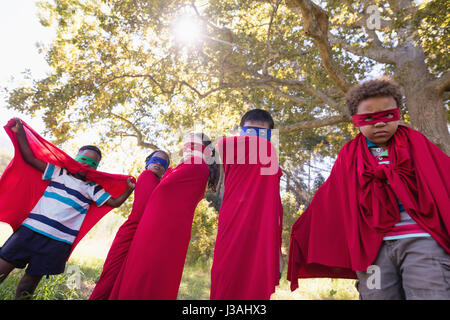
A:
(246, 254)
(342, 229)
(146, 183)
(21, 185)
(155, 261)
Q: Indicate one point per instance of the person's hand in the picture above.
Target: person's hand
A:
(130, 184)
(18, 126)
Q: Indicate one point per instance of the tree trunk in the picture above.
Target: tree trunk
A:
(428, 116)
(424, 103)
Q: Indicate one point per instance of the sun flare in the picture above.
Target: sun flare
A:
(187, 30)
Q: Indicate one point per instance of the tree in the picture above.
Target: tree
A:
(118, 63)
(204, 232)
(412, 41)
(291, 212)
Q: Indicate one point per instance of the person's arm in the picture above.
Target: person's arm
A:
(25, 149)
(117, 202)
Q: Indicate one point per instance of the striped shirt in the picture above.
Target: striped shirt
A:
(60, 212)
(406, 227)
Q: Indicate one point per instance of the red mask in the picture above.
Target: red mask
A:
(195, 146)
(360, 120)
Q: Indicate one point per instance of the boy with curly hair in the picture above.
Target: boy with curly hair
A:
(383, 214)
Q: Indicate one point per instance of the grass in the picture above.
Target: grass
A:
(90, 254)
(51, 288)
(196, 282)
(317, 289)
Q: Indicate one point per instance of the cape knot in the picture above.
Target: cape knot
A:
(379, 173)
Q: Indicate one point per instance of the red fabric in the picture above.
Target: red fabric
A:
(342, 229)
(247, 249)
(155, 261)
(146, 183)
(360, 120)
(200, 147)
(21, 185)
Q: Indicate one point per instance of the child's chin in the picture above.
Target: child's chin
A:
(380, 140)
(154, 171)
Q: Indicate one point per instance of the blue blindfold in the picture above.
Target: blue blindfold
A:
(159, 160)
(256, 132)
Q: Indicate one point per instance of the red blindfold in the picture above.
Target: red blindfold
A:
(360, 120)
(194, 146)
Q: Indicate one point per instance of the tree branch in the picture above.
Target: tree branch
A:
(373, 51)
(441, 84)
(374, 48)
(266, 82)
(312, 91)
(273, 53)
(272, 16)
(310, 124)
(400, 8)
(139, 136)
(297, 100)
(315, 25)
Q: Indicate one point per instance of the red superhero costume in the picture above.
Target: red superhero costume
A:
(247, 251)
(146, 183)
(154, 264)
(342, 229)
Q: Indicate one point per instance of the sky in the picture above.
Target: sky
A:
(21, 31)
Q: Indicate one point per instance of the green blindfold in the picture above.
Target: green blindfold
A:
(87, 160)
